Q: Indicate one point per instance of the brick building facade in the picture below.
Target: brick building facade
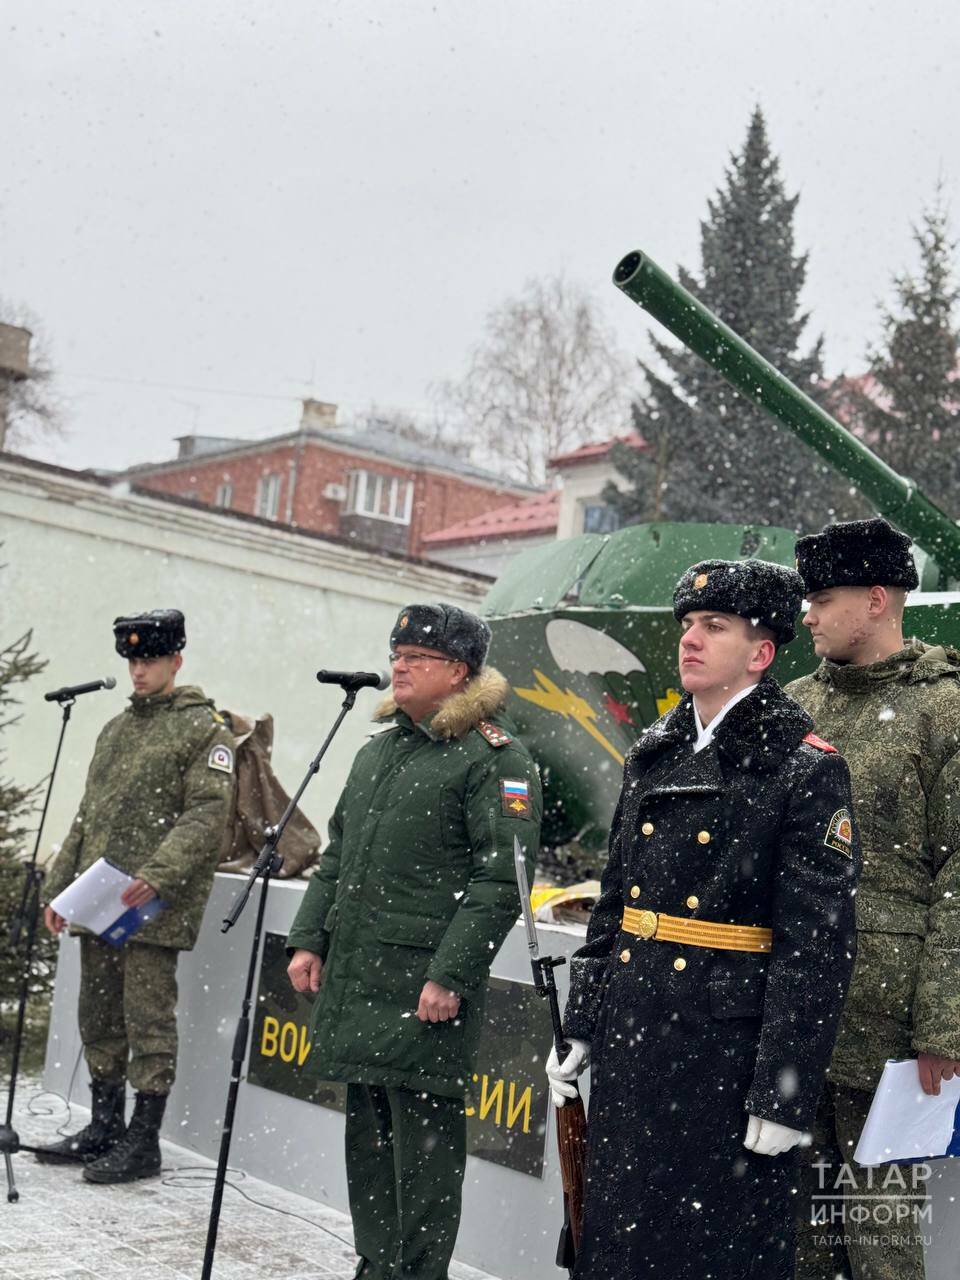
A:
(369, 484)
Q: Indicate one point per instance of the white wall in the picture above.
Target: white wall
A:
(265, 609)
(489, 555)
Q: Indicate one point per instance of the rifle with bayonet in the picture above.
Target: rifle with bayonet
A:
(571, 1120)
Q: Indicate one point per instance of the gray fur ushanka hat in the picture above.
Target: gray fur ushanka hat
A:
(764, 593)
(857, 553)
(150, 635)
(446, 628)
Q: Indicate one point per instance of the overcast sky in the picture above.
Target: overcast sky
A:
(245, 203)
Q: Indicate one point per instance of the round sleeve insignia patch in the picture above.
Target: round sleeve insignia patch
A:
(840, 832)
(700, 581)
(221, 758)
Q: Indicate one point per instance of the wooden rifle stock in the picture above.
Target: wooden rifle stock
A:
(572, 1146)
(571, 1125)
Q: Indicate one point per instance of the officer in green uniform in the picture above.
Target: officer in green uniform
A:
(156, 800)
(399, 925)
(892, 706)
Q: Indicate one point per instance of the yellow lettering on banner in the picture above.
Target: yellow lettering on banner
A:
(268, 1039)
(519, 1105)
(471, 1111)
(290, 1040)
(495, 1096)
(288, 1043)
(523, 1104)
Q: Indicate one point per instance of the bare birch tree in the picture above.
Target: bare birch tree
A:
(31, 408)
(546, 378)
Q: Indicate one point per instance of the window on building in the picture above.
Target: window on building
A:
(378, 496)
(224, 496)
(268, 496)
(599, 518)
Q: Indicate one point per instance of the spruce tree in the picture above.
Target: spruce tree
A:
(910, 410)
(18, 810)
(713, 454)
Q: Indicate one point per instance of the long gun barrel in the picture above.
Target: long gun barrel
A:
(754, 377)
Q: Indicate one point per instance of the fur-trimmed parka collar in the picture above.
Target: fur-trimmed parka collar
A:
(457, 715)
(757, 734)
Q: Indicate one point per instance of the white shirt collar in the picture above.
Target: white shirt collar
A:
(705, 735)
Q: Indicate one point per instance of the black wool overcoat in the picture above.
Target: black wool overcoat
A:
(688, 1041)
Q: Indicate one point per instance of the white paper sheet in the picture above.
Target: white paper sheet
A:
(905, 1123)
(92, 902)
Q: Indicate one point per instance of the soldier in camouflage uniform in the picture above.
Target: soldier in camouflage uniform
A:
(157, 796)
(893, 708)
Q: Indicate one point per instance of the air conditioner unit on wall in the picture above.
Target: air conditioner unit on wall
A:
(335, 492)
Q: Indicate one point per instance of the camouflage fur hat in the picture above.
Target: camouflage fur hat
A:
(765, 593)
(150, 635)
(446, 628)
(857, 553)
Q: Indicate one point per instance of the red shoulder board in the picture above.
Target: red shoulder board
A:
(496, 737)
(819, 743)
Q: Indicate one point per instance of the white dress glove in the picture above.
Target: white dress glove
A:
(563, 1074)
(769, 1139)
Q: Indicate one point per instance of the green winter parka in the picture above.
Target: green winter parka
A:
(897, 723)
(156, 800)
(417, 882)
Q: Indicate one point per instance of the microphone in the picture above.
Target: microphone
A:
(356, 679)
(74, 690)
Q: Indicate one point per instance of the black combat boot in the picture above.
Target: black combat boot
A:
(137, 1154)
(101, 1135)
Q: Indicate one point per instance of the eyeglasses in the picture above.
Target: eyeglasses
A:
(414, 659)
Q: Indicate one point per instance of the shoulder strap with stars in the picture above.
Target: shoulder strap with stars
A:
(819, 743)
(495, 736)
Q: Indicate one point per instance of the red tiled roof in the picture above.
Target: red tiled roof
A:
(518, 520)
(596, 450)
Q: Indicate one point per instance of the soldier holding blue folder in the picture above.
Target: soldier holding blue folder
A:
(156, 802)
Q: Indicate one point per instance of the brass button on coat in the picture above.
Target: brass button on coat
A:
(693, 902)
(679, 963)
(635, 891)
(704, 837)
(624, 956)
(647, 828)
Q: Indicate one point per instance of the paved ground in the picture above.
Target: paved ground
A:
(66, 1229)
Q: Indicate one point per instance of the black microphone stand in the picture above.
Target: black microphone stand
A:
(23, 932)
(268, 863)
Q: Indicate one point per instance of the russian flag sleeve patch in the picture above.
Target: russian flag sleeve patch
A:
(515, 798)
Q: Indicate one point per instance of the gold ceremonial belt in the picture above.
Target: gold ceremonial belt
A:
(696, 933)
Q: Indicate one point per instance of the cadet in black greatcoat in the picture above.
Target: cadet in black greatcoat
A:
(718, 956)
